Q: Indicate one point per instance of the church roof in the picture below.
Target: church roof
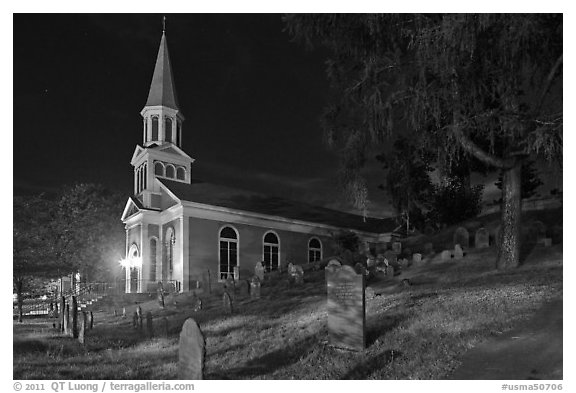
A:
(162, 89)
(233, 198)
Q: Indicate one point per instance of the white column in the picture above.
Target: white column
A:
(184, 235)
(144, 254)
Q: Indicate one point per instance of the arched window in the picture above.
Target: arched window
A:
(170, 241)
(228, 257)
(145, 130)
(180, 173)
(271, 251)
(159, 169)
(153, 250)
(154, 128)
(170, 171)
(132, 270)
(178, 134)
(168, 129)
(314, 250)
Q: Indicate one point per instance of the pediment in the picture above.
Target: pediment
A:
(132, 207)
(137, 153)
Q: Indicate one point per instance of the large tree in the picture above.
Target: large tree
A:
(487, 85)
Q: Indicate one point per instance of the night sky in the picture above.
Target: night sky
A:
(251, 98)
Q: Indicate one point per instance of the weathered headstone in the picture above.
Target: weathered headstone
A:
(74, 317)
(227, 303)
(446, 255)
(191, 351)
(298, 274)
(149, 328)
(259, 271)
(140, 317)
(236, 273)
(397, 247)
(160, 294)
(428, 248)
(458, 252)
(255, 288)
(417, 258)
(83, 327)
(346, 308)
(62, 313)
(123, 312)
(66, 320)
(462, 237)
(482, 238)
(370, 262)
(334, 262)
(369, 293)
(390, 271)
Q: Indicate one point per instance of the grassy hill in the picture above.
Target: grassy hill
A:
(415, 332)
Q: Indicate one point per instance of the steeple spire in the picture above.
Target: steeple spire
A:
(162, 90)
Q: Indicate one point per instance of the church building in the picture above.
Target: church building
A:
(178, 228)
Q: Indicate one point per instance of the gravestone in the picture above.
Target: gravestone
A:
(334, 262)
(259, 271)
(135, 320)
(397, 247)
(482, 238)
(391, 257)
(236, 273)
(123, 312)
(417, 258)
(164, 327)
(160, 294)
(346, 308)
(227, 303)
(290, 269)
(255, 288)
(149, 328)
(66, 320)
(83, 327)
(298, 275)
(140, 317)
(462, 237)
(191, 351)
(90, 320)
(62, 312)
(446, 255)
(369, 293)
(74, 317)
(370, 262)
(197, 305)
(458, 252)
(390, 271)
(428, 248)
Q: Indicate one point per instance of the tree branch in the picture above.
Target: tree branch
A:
(471, 147)
(548, 82)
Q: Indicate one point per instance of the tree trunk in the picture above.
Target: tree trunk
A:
(509, 241)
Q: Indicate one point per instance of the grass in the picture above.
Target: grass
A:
(419, 332)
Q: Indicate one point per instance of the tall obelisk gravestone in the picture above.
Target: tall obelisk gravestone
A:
(346, 308)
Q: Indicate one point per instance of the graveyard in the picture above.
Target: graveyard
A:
(419, 322)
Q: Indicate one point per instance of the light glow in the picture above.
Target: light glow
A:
(131, 262)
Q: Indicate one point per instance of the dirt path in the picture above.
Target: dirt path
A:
(530, 351)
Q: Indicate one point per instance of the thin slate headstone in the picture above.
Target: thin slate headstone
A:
(397, 247)
(346, 308)
(90, 320)
(462, 237)
(259, 271)
(83, 327)
(255, 288)
(446, 255)
(74, 317)
(482, 238)
(149, 328)
(227, 303)
(191, 351)
(66, 320)
(458, 252)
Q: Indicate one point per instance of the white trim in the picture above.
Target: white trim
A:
(237, 241)
(264, 244)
